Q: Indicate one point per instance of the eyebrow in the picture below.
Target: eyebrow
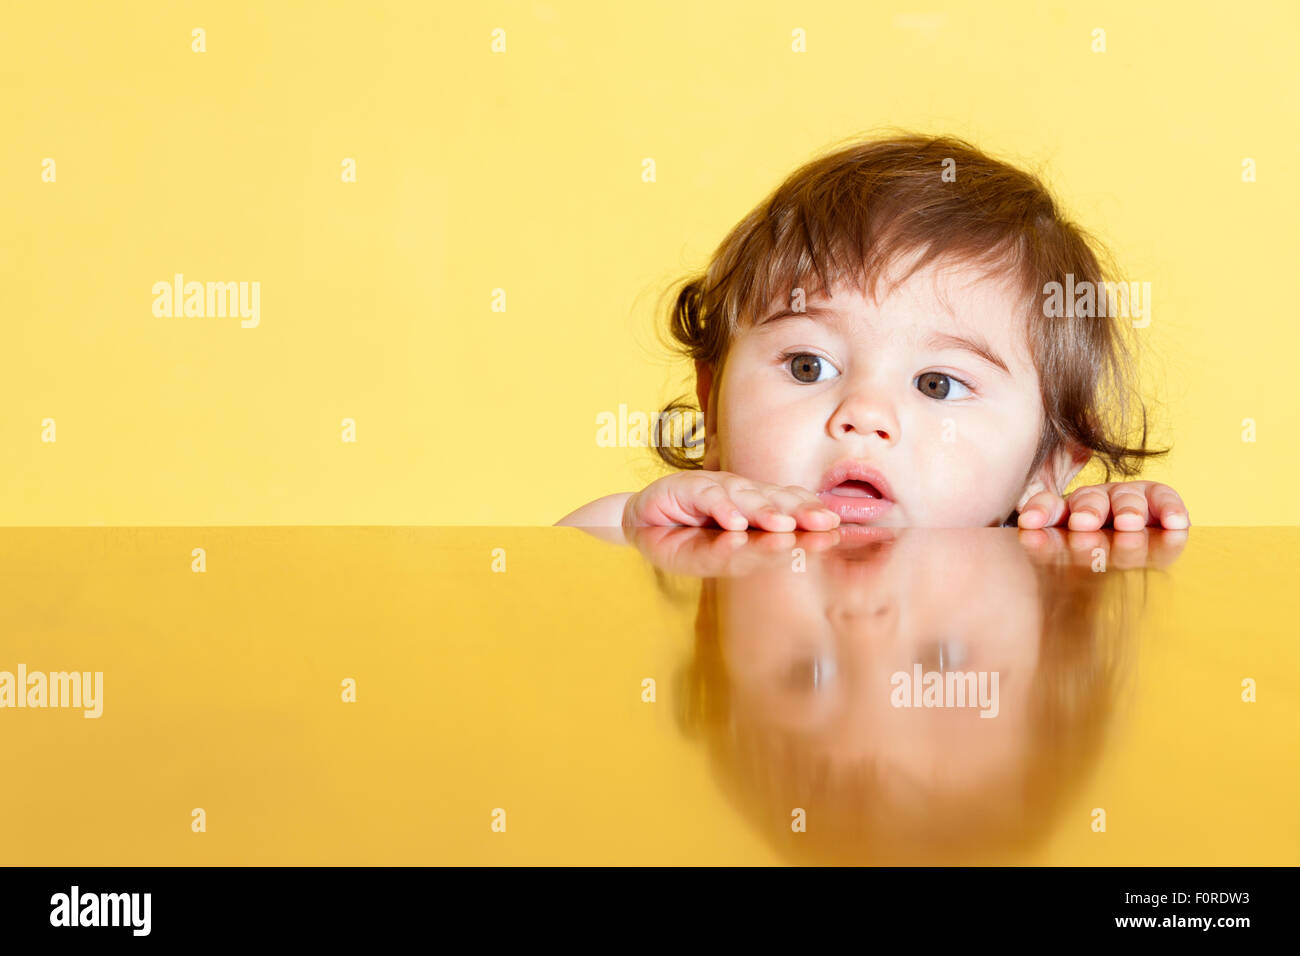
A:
(938, 341)
(812, 312)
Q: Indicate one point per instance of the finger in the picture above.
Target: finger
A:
(1089, 508)
(761, 511)
(809, 510)
(779, 544)
(1165, 547)
(1128, 549)
(680, 550)
(788, 500)
(697, 552)
(1167, 508)
(1044, 545)
(705, 552)
(812, 541)
(773, 550)
(1042, 510)
(816, 518)
(1082, 547)
(1128, 505)
(714, 502)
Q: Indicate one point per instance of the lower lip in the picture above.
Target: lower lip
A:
(856, 509)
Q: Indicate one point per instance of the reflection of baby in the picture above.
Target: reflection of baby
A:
(793, 688)
(873, 345)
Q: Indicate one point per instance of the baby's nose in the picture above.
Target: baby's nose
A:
(866, 413)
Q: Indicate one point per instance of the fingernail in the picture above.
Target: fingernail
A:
(1175, 521)
(1087, 514)
(1132, 518)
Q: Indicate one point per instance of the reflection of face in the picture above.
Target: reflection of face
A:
(814, 652)
(888, 385)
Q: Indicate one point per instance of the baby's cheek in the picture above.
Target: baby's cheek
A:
(761, 458)
(766, 444)
(968, 475)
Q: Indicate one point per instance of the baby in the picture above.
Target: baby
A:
(874, 344)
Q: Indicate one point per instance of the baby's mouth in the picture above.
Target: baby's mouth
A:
(856, 489)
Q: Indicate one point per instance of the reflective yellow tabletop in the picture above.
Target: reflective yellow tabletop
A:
(175, 696)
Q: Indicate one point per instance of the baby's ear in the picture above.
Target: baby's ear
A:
(703, 385)
(704, 393)
(1056, 472)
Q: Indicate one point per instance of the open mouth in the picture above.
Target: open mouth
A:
(854, 488)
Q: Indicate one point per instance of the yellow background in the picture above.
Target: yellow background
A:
(522, 171)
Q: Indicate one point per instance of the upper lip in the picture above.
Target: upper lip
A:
(850, 470)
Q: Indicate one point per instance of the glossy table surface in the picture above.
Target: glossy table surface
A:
(558, 695)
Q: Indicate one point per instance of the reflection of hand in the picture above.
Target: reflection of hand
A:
(709, 553)
(1128, 505)
(1150, 547)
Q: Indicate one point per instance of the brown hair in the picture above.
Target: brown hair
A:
(852, 212)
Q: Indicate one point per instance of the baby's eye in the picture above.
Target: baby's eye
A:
(939, 385)
(807, 368)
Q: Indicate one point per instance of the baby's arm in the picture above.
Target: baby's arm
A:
(604, 512)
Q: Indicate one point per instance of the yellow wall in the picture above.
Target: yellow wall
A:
(522, 171)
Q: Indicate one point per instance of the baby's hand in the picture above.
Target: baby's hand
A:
(697, 498)
(1134, 505)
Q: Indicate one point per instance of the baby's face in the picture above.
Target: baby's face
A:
(933, 387)
(816, 652)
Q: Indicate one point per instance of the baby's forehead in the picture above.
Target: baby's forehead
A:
(952, 297)
(953, 287)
